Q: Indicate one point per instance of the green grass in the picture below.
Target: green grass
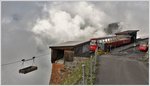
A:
(76, 74)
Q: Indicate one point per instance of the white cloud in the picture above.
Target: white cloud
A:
(62, 25)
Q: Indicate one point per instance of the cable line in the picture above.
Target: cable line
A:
(42, 55)
(10, 63)
(23, 60)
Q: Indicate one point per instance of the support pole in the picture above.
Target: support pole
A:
(91, 70)
(95, 57)
(94, 66)
(83, 74)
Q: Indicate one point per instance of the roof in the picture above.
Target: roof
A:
(127, 32)
(75, 43)
(111, 36)
(68, 44)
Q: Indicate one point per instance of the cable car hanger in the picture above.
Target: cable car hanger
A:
(23, 60)
(29, 68)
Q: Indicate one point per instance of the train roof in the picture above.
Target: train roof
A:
(110, 36)
(127, 32)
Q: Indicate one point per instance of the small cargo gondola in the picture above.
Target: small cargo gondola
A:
(143, 47)
(28, 69)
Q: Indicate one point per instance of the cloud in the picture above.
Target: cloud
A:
(133, 15)
(83, 20)
(62, 25)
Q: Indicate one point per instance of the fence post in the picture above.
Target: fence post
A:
(94, 66)
(83, 74)
(95, 57)
(91, 70)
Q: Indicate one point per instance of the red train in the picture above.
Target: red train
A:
(93, 45)
(143, 47)
(107, 43)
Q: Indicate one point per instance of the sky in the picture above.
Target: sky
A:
(29, 27)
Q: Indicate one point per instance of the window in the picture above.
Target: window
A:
(100, 41)
(106, 40)
(93, 42)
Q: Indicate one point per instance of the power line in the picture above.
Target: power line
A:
(24, 60)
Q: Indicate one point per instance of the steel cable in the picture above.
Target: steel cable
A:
(23, 60)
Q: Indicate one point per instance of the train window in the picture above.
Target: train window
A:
(115, 39)
(99, 41)
(106, 40)
(93, 42)
(103, 40)
(110, 39)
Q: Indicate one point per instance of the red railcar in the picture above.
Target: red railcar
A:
(117, 43)
(109, 44)
(143, 47)
(93, 45)
(123, 41)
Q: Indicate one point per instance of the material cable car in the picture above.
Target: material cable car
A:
(29, 68)
(143, 47)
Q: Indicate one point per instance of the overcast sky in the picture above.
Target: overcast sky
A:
(29, 27)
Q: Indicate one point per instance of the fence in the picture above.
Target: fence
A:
(84, 73)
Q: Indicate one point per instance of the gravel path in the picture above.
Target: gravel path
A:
(123, 71)
(119, 69)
